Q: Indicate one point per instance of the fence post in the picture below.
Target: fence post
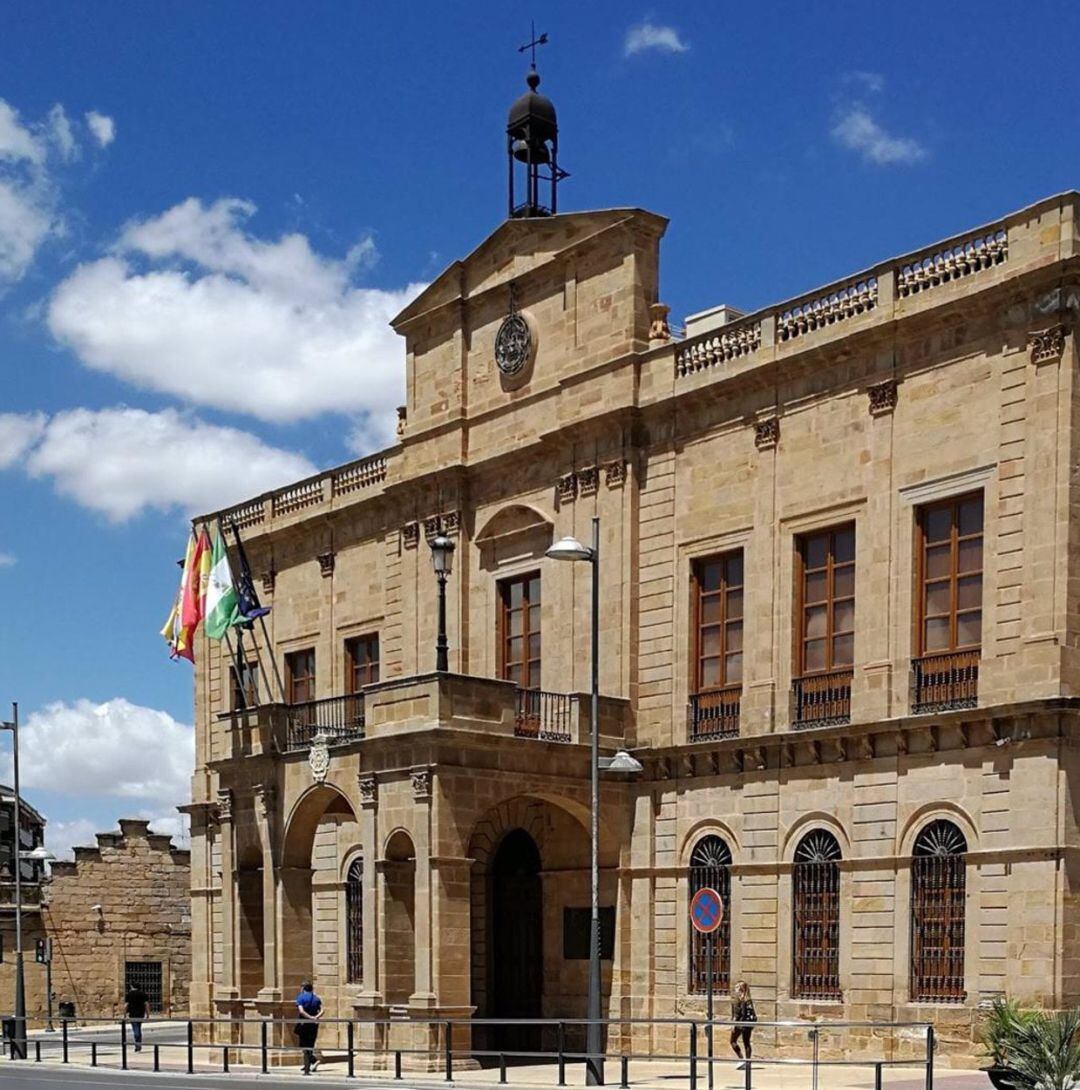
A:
(64, 1034)
(877, 1075)
(625, 1072)
(157, 1057)
(693, 1056)
(930, 1058)
(350, 1040)
(562, 1053)
(93, 1053)
(262, 1045)
(190, 1047)
(397, 1063)
(123, 1044)
(37, 1052)
(502, 1068)
(448, 1042)
(748, 1083)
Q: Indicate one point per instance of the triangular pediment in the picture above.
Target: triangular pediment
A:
(516, 247)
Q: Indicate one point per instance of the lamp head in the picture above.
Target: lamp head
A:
(569, 548)
(442, 554)
(622, 762)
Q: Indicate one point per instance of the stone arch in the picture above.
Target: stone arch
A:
(816, 819)
(933, 811)
(708, 827)
(515, 518)
(513, 534)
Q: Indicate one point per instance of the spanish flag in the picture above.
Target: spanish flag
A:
(176, 636)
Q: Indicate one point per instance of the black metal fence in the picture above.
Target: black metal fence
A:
(442, 1049)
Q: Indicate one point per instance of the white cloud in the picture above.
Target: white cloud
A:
(102, 127)
(647, 35)
(17, 142)
(62, 836)
(116, 749)
(856, 129)
(124, 461)
(871, 82)
(223, 318)
(18, 433)
(61, 135)
(7, 560)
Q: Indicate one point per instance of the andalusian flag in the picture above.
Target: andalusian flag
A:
(221, 597)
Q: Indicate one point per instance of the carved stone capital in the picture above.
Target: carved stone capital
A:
(588, 480)
(883, 397)
(1047, 345)
(421, 784)
(369, 789)
(615, 473)
(432, 528)
(326, 564)
(451, 523)
(410, 535)
(269, 579)
(566, 488)
(264, 795)
(402, 417)
(767, 433)
(224, 805)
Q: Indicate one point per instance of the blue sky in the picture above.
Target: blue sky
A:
(207, 214)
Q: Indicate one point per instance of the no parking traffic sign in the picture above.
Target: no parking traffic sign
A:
(706, 911)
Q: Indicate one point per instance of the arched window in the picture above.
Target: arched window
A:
(354, 923)
(937, 914)
(816, 917)
(710, 867)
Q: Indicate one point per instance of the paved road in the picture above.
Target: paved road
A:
(17, 1076)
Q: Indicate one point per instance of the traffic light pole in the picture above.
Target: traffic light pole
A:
(49, 1027)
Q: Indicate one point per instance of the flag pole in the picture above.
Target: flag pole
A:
(232, 653)
(262, 623)
(237, 662)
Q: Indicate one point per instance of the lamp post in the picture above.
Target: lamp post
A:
(442, 560)
(18, 1045)
(570, 548)
(41, 854)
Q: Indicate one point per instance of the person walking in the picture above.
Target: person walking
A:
(310, 1009)
(743, 1015)
(135, 1003)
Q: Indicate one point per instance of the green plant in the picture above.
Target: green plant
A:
(1003, 1021)
(1044, 1053)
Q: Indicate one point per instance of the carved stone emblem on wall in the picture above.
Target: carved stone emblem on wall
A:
(615, 473)
(767, 433)
(1047, 345)
(421, 783)
(319, 757)
(566, 487)
(369, 789)
(588, 480)
(659, 330)
(883, 397)
(269, 578)
(410, 535)
(326, 564)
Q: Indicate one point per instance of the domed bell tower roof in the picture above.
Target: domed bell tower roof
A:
(532, 139)
(533, 109)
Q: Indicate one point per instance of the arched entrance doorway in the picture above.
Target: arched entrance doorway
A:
(516, 942)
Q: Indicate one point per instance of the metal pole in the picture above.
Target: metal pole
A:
(594, 1063)
(930, 1057)
(18, 1044)
(442, 663)
(49, 1027)
(710, 953)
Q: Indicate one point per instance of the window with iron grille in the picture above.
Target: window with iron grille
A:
(710, 868)
(519, 630)
(145, 975)
(717, 645)
(816, 917)
(245, 686)
(826, 626)
(354, 922)
(938, 886)
(300, 675)
(361, 662)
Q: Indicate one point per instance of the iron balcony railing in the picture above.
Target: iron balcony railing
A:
(338, 718)
(945, 682)
(714, 714)
(543, 715)
(822, 700)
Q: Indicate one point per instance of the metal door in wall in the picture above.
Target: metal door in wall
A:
(516, 945)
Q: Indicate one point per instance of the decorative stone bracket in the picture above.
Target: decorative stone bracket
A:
(326, 564)
(883, 397)
(767, 433)
(1047, 345)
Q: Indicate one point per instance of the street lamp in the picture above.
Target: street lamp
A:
(41, 854)
(18, 1044)
(442, 560)
(569, 548)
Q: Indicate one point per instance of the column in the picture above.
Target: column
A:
(265, 798)
(371, 993)
(423, 995)
(228, 894)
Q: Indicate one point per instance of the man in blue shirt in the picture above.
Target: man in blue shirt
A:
(310, 1009)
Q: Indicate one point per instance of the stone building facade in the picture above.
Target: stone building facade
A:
(841, 617)
(119, 912)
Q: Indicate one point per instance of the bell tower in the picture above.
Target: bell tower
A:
(532, 139)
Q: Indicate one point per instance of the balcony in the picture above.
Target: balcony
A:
(713, 714)
(822, 700)
(338, 718)
(543, 715)
(943, 683)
